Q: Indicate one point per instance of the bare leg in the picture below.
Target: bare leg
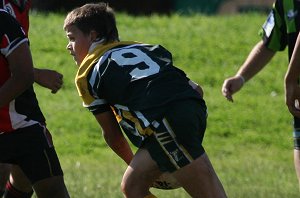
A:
(19, 180)
(139, 175)
(297, 164)
(47, 188)
(51, 187)
(200, 180)
(4, 175)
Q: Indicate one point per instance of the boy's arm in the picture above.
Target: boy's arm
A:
(21, 68)
(257, 59)
(49, 79)
(114, 136)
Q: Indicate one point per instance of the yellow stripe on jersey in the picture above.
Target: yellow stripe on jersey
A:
(118, 117)
(143, 131)
(127, 115)
(87, 64)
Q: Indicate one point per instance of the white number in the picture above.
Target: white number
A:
(140, 56)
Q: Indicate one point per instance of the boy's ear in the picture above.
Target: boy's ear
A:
(94, 35)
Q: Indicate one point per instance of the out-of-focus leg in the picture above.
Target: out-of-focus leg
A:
(297, 164)
(4, 176)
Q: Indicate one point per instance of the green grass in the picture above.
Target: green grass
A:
(249, 141)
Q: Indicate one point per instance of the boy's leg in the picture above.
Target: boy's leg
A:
(297, 164)
(19, 180)
(18, 185)
(37, 158)
(51, 187)
(12, 192)
(199, 179)
(176, 147)
(296, 136)
(4, 176)
(140, 175)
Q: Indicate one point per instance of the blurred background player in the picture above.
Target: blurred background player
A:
(24, 138)
(47, 78)
(292, 88)
(278, 32)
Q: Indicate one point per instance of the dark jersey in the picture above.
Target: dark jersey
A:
(136, 79)
(18, 9)
(282, 26)
(24, 110)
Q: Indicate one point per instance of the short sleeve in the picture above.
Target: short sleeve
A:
(11, 34)
(273, 31)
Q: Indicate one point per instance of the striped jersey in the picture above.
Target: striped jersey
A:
(24, 110)
(136, 79)
(18, 9)
(282, 26)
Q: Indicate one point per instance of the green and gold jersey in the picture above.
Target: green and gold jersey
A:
(282, 25)
(136, 79)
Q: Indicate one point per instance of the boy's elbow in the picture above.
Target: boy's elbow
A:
(29, 78)
(26, 78)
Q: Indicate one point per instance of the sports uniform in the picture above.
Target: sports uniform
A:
(280, 30)
(152, 99)
(24, 139)
(18, 9)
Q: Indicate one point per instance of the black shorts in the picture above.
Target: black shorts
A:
(177, 140)
(32, 149)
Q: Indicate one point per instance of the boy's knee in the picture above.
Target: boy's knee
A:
(130, 188)
(125, 187)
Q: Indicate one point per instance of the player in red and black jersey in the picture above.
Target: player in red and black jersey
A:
(24, 138)
(149, 96)
(20, 10)
(47, 78)
(22, 111)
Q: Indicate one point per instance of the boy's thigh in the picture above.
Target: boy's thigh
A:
(200, 171)
(142, 168)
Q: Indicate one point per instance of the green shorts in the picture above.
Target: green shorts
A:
(177, 139)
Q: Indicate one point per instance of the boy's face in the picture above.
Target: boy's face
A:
(79, 43)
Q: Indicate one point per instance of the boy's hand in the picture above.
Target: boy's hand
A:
(49, 79)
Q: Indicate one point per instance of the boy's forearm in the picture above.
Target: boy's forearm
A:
(293, 71)
(122, 149)
(257, 59)
(113, 135)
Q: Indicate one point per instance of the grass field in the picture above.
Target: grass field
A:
(249, 141)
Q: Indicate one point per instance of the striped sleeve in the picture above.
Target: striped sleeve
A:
(273, 31)
(11, 34)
